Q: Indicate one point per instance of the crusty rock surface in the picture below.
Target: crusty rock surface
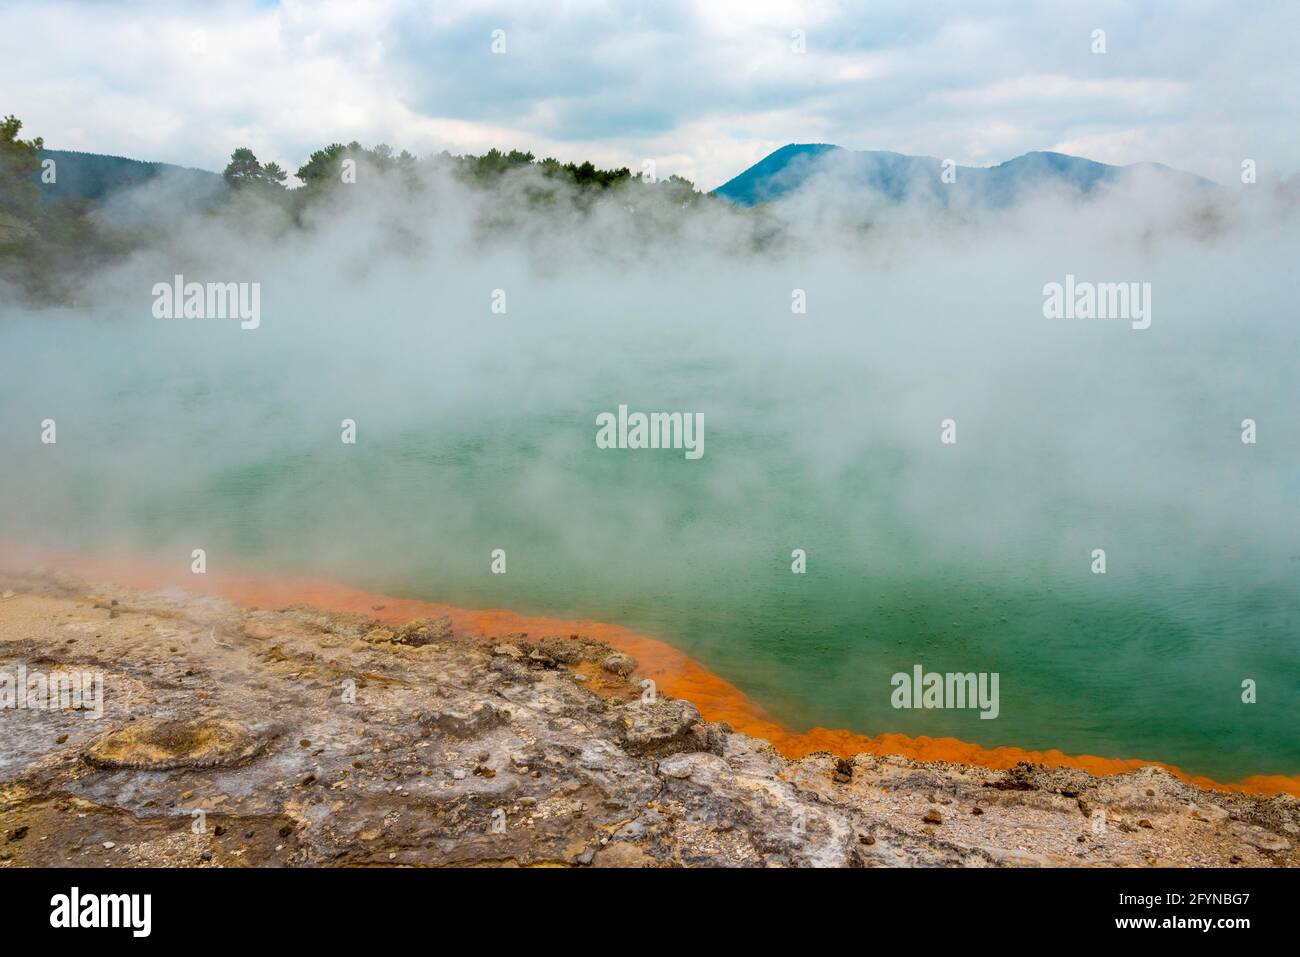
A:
(237, 737)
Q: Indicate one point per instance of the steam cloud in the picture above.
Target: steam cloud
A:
(477, 430)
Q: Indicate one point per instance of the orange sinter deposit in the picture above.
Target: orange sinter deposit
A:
(673, 672)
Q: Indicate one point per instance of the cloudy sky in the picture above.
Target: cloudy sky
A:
(704, 89)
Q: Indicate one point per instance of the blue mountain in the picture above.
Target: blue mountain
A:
(97, 176)
(897, 177)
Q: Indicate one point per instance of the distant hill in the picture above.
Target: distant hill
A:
(897, 178)
(95, 176)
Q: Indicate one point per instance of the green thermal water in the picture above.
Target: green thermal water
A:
(164, 449)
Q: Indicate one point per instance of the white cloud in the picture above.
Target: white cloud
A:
(1061, 90)
(702, 88)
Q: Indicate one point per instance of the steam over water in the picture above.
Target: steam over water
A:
(476, 431)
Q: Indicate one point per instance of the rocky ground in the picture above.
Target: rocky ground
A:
(238, 737)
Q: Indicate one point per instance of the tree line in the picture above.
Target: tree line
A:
(48, 242)
(327, 167)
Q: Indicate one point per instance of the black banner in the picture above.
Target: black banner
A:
(364, 906)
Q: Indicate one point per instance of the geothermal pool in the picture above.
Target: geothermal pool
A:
(477, 433)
